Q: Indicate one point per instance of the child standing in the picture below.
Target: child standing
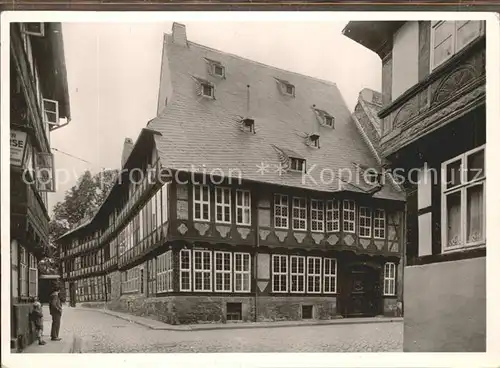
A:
(37, 316)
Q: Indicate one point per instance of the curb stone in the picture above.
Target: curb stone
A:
(156, 325)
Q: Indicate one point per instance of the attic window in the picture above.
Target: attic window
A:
(329, 120)
(314, 139)
(219, 70)
(207, 90)
(297, 164)
(289, 89)
(248, 125)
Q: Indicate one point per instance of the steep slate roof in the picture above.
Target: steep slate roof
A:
(206, 133)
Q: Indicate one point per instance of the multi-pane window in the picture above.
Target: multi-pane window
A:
(379, 224)
(280, 273)
(130, 280)
(317, 215)
(201, 202)
(223, 271)
(297, 274)
(332, 216)
(330, 275)
(23, 270)
(164, 207)
(365, 222)
(243, 214)
(463, 200)
(164, 272)
(33, 276)
(154, 214)
(349, 214)
(281, 211)
(390, 278)
(297, 164)
(449, 37)
(314, 275)
(223, 205)
(299, 214)
(242, 272)
(202, 270)
(185, 270)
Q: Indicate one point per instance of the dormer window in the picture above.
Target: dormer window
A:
(216, 68)
(219, 70)
(207, 90)
(248, 125)
(297, 164)
(329, 120)
(314, 140)
(290, 89)
(286, 87)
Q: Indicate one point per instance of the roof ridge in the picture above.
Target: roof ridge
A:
(330, 83)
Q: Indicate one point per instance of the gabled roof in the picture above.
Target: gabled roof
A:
(199, 132)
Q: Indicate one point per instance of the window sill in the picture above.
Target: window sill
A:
(477, 245)
(246, 225)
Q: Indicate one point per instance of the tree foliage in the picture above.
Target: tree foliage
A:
(79, 202)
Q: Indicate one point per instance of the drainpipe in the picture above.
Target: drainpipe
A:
(255, 261)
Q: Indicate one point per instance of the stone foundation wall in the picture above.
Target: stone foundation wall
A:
(23, 330)
(392, 307)
(279, 308)
(184, 309)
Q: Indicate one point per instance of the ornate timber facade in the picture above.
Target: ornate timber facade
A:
(189, 248)
(434, 124)
(39, 103)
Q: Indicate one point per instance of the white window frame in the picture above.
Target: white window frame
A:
(164, 272)
(202, 271)
(282, 275)
(165, 204)
(365, 215)
(131, 284)
(331, 275)
(315, 212)
(202, 201)
(379, 224)
(281, 199)
(331, 118)
(297, 164)
(23, 271)
(33, 266)
(285, 89)
(56, 112)
(314, 275)
(221, 193)
(212, 90)
(299, 208)
(333, 209)
(348, 210)
(241, 207)
(223, 272)
(462, 188)
(296, 273)
(389, 279)
(217, 65)
(185, 271)
(244, 273)
(455, 49)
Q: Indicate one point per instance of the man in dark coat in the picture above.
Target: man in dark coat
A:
(55, 308)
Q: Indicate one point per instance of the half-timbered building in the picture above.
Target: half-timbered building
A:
(253, 195)
(434, 132)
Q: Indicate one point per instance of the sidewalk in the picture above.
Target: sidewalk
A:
(158, 325)
(69, 343)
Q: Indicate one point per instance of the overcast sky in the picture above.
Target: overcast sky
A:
(113, 76)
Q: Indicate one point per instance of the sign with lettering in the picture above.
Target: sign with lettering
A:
(17, 147)
(44, 171)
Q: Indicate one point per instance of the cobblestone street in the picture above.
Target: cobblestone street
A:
(102, 333)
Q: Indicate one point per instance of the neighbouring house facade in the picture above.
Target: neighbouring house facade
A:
(434, 131)
(39, 103)
(259, 204)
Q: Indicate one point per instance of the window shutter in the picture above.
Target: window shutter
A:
(443, 41)
(466, 32)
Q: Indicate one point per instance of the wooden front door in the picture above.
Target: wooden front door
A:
(362, 294)
(72, 294)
